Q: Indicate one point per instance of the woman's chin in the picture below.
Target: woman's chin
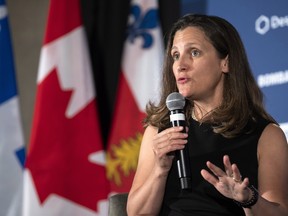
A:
(184, 94)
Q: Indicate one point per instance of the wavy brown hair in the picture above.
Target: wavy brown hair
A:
(242, 98)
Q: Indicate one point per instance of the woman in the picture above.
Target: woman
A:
(238, 154)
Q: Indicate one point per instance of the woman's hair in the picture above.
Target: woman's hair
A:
(242, 98)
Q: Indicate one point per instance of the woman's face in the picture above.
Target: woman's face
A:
(198, 70)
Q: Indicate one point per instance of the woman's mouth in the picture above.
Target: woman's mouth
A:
(182, 80)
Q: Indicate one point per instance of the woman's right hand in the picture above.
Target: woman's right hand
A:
(165, 143)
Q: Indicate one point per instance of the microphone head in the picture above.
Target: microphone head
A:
(175, 101)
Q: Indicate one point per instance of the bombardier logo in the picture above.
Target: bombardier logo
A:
(264, 24)
(3, 12)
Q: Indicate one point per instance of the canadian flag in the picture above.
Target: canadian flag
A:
(65, 167)
(139, 83)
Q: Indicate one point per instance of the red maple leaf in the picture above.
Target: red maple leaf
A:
(60, 147)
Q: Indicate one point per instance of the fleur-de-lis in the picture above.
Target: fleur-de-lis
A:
(141, 25)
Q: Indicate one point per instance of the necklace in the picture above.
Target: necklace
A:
(193, 114)
(204, 116)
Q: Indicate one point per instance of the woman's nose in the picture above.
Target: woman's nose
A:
(181, 67)
(182, 63)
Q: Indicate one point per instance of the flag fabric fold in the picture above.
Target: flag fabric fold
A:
(138, 83)
(65, 167)
(12, 150)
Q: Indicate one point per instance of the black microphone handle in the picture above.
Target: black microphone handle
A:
(182, 157)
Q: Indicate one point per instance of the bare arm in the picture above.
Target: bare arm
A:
(273, 174)
(147, 191)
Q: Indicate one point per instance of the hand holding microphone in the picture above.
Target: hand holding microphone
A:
(175, 102)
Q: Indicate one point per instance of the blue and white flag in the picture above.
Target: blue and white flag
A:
(11, 136)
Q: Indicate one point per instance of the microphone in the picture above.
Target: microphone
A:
(175, 102)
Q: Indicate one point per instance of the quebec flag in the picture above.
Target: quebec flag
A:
(139, 82)
(11, 136)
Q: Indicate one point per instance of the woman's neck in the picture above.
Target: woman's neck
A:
(201, 111)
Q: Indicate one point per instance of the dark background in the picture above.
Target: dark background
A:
(105, 23)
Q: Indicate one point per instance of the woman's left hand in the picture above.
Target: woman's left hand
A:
(229, 182)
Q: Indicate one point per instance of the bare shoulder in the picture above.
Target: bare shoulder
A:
(273, 164)
(150, 131)
(146, 157)
(272, 137)
(146, 152)
(148, 136)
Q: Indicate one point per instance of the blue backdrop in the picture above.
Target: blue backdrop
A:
(263, 26)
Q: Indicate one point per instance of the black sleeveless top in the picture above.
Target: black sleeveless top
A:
(203, 199)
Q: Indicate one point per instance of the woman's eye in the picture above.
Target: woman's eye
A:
(195, 53)
(175, 56)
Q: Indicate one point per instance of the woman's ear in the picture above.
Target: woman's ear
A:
(225, 65)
